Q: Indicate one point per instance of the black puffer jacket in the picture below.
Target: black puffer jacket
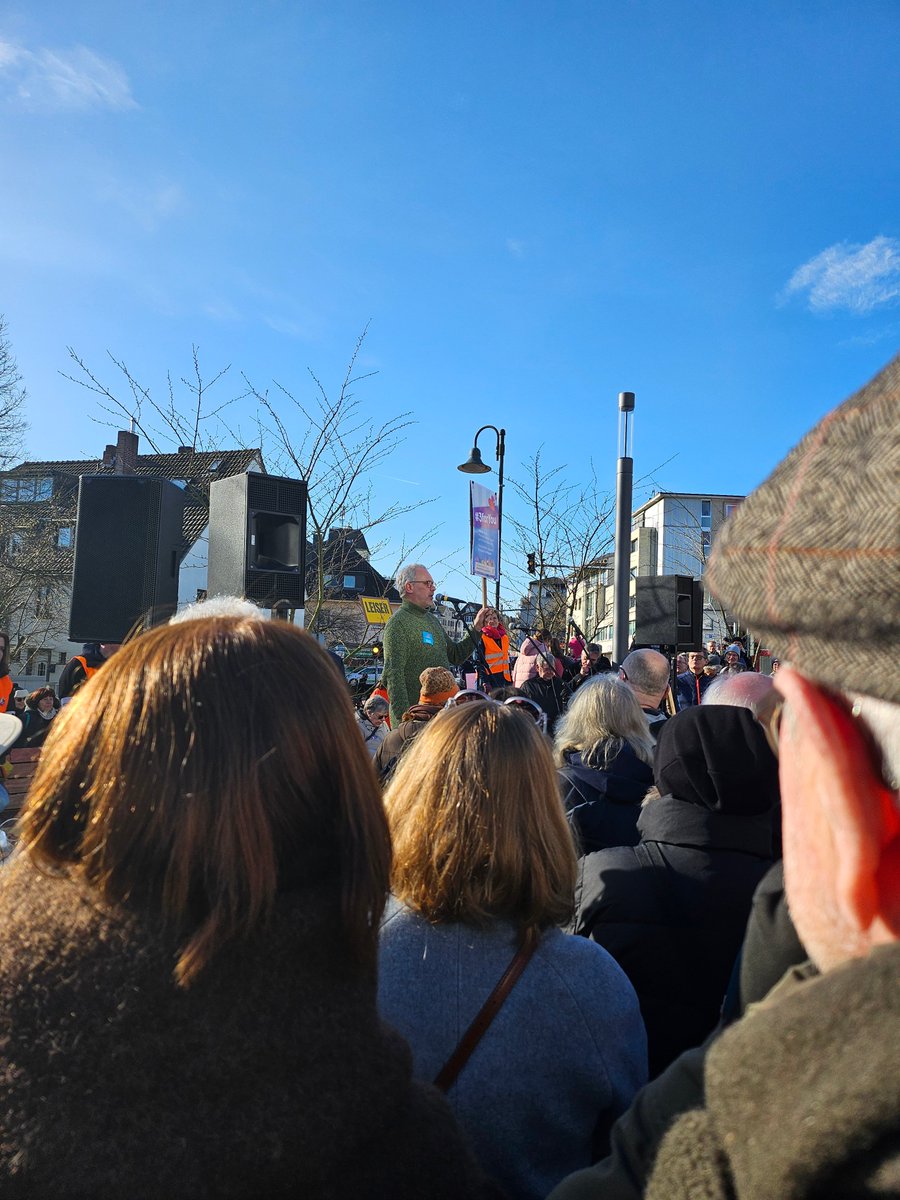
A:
(603, 805)
(672, 910)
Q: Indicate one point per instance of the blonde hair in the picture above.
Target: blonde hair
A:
(604, 714)
(477, 822)
(208, 765)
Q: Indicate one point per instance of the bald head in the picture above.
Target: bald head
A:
(647, 674)
(743, 691)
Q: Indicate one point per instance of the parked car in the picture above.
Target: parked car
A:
(364, 679)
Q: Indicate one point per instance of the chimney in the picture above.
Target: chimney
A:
(126, 452)
(109, 456)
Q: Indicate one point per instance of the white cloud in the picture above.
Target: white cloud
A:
(54, 80)
(515, 247)
(853, 277)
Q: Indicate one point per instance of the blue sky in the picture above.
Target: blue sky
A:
(536, 205)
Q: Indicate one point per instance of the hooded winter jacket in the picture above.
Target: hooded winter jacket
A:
(672, 910)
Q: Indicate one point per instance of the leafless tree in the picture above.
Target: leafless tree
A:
(567, 525)
(333, 444)
(12, 403)
(35, 567)
(165, 425)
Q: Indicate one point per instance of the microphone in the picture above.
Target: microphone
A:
(440, 598)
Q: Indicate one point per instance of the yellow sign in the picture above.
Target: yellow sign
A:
(377, 610)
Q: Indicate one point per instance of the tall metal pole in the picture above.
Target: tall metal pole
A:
(622, 561)
(501, 449)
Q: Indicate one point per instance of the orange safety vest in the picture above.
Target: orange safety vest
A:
(496, 655)
(88, 671)
(6, 691)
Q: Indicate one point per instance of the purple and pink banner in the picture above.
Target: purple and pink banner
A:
(484, 532)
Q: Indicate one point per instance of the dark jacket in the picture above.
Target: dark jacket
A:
(73, 673)
(801, 1098)
(270, 1076)
(603, 805)
(601, 667)
(414, 721)
(672, 910)
(686, 686)
(549, 694)
(34, 729)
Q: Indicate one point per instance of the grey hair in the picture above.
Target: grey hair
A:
(746, 690)
(647, 670)
(219, 606)
(604, 714)
(407, 575)
(376, 704)
(883, 721)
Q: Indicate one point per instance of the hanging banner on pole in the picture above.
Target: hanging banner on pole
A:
(484, 532)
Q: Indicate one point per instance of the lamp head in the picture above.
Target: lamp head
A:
(474, 465)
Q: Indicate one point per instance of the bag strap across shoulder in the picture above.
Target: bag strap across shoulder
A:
(446, 1077)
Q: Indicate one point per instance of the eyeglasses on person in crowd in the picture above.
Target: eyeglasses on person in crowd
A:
(520, 703)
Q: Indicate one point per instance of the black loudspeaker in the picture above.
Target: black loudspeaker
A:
(668, 610)
(128, 548)
(257, 539)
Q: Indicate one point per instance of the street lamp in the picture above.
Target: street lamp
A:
(475, 466)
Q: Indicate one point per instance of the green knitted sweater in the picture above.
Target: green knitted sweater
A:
(414, 640)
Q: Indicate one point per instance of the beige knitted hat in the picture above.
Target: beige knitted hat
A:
(436, 685)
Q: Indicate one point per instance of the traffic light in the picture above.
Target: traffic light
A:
(376, 650)
(532, 568)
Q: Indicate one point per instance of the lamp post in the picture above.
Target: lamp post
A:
(475, 466)
(622, 580)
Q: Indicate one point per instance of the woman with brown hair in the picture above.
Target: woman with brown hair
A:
(484, 864)
(41, 707)
(187, 972)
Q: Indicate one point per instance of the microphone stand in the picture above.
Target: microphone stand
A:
(478, 653)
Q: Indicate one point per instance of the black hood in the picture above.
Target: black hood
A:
(716, 756)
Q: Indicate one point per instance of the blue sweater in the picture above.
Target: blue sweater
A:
(560, 1062)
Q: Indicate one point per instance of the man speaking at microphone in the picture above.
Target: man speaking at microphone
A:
(414, 640)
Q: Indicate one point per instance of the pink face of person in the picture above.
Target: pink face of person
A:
(696, 663)
(731, 658)
(45, 703)
(544, 670)
(421, 589)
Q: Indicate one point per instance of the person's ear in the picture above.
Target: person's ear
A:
(841, 777)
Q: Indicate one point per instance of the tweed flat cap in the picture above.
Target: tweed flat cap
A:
(811, 560)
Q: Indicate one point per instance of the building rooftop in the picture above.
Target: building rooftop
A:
(196, 469)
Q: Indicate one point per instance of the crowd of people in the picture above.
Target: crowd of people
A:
(559, 938)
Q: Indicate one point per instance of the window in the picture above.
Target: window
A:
(42, 668)
(588, 606)
(729, 509)
(15, 490)
(704, 537)
(62, 658)
(349, 581)
(42, 601)
(64, 537)
(706, 514)
(13, 544)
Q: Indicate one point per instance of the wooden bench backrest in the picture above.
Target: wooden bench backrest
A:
(24, 764)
